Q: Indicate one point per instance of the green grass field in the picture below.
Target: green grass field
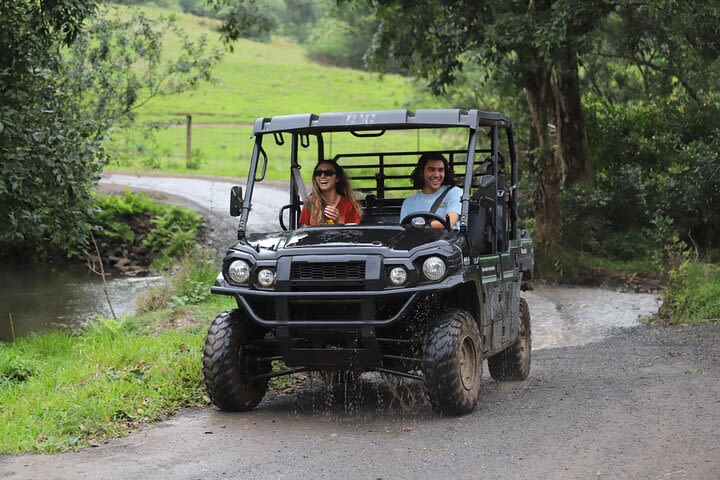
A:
(226, 150)
(256, 79)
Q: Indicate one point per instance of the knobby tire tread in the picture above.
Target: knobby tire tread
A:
(443, 383)
(227, 382)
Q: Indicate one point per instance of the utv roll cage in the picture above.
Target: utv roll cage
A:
(478, 190)
(387, 295)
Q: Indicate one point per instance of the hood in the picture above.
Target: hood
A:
(395, 237)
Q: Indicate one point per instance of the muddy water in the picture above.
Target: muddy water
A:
(564, 316)
(41, 297)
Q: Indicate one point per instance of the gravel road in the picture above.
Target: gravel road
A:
(643, 403)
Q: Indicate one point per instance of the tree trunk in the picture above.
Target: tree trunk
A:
(572, 146)
(546, 193)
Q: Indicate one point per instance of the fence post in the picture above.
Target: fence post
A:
(188, 138)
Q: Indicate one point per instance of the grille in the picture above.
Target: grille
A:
(328, 271)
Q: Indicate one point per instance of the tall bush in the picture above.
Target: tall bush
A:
(658, 180)
(50, 153)
(62, 89)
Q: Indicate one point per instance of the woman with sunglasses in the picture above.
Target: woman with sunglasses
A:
(332, 201)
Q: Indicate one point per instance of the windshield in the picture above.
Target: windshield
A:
(377, 163)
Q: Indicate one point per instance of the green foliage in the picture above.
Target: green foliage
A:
(197, 158)
(243, 19)
(653, 50)
(136, 219)
(140, 147)
(49, 158)
(299, 18)
(188, 285)
(577, 267)
(193, 293)
(120, 63)
(693, 295)
(174, 232)
(57, 106)
(658, 181)
(258, 18)
(342, 37)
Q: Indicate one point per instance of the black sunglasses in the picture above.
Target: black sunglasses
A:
(327, 173)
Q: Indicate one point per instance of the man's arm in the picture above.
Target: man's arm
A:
(453, 219)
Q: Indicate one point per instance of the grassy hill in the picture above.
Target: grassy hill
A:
(256, 79)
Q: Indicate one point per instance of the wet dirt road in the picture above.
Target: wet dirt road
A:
(642, 403)
(638, 402)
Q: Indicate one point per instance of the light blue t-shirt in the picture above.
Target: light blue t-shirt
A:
(421, 202)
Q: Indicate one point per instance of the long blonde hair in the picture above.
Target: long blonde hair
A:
(342, 186)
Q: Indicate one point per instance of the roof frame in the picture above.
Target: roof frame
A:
(377, 120)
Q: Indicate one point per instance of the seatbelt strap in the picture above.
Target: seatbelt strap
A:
(439, 200)
(300, 185)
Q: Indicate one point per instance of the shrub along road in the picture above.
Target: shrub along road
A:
(641, 404)
(208, 195)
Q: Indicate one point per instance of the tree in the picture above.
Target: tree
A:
(63, 86)
(47, 160)
(533, 44)
(673, 46)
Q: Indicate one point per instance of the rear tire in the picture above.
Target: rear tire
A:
(513, 363)
(228, 367)
(452, 363)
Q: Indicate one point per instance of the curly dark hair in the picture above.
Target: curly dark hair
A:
(417, 178)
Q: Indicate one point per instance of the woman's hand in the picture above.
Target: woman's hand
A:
(332, 214)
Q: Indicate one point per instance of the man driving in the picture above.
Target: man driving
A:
(438, 194)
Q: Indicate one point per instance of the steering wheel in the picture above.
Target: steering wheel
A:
(428, 217)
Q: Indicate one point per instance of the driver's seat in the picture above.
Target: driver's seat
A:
(476, 225)
(381, 211)
(481, 201)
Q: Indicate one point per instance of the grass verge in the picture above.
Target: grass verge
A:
(61, 391)
(693, 294)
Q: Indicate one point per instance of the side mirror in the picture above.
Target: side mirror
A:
(486, 193)
(236, 201)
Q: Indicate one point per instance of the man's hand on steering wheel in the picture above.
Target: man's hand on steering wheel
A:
(428, 217)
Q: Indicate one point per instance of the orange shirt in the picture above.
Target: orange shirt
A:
(348, 214)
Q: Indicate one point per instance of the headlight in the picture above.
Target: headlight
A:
(398, 276)
(266, 277)
(433, 268)
(239, 271)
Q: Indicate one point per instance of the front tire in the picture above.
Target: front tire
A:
(452, 363)
(513, 363)
(229, 368)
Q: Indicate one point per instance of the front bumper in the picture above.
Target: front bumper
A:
(317, 308)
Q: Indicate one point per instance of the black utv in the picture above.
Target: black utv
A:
(385, 295)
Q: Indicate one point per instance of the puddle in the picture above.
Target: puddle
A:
(564, 316)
